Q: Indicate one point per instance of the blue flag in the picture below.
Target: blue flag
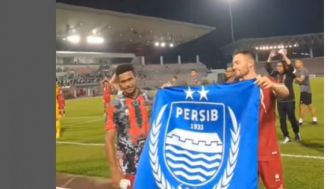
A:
(203, 137)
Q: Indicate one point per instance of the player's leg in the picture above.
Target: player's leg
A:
(62, 111)
(313, 113)
(311, 109)
(283, 123)
(292, 118)
(58, 128)
(302, 107)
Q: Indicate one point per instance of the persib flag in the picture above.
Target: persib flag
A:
(203, 137)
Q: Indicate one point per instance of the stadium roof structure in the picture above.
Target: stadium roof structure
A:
(306, 41)
(122, 32)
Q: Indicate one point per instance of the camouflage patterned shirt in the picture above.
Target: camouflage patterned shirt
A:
(130, 119)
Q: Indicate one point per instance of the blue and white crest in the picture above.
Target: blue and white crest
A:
(193, 149)
(195, 140)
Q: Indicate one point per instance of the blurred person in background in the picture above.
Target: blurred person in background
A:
(229, 75)
(302, 79)
(286, 105)
(106, 94)
(172, 82)
(195, 79)
(58, 115)
(61, 102)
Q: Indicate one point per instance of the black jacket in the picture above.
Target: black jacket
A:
(287, 78)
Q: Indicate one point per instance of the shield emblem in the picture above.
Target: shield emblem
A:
(194, 143)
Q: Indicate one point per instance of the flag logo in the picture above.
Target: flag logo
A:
(193, 146)
(203, 137)
(193, 149)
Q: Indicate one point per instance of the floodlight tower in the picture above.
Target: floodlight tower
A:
(231, 20)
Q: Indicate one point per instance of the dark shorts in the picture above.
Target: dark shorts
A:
(306, 98)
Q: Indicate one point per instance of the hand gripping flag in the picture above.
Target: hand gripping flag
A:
(202, 137)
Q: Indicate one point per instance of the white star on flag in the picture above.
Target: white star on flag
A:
(203, 93)
(189, 93)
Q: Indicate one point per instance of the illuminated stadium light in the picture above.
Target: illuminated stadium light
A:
(290, 46)
(266, 47)
(156, 44)
(163, 44)
(95, 39)
(171, 45)
(257, 48)
(74, 38)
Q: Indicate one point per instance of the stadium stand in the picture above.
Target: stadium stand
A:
(153, 76)
(86, 82)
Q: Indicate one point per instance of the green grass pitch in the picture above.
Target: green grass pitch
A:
(84, 123)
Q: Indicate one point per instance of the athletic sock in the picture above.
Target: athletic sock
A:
(300, 120)
(314, 119)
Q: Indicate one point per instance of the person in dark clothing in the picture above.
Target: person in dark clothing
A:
(229, 74)
(286, 106)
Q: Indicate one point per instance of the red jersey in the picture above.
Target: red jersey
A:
(61, 101)
(107, 94)
(268, 142)
(270, 165)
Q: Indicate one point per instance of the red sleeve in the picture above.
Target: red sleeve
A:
(109, 122)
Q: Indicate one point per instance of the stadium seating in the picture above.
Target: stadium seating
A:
(152, 76)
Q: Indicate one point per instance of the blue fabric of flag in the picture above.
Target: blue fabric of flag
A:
(202, 137)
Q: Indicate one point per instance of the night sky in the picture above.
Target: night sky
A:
(251, 18)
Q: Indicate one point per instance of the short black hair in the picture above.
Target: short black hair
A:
(122, 68)
(245, 52)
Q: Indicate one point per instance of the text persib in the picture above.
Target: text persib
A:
(200, 115)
